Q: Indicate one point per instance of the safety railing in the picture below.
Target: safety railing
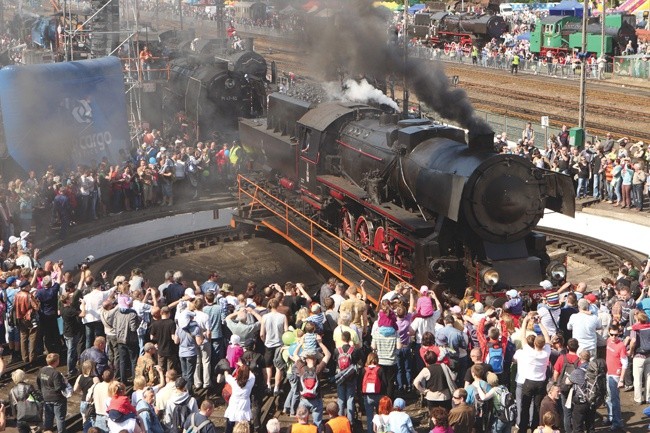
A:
(157, 68)
(326, 248)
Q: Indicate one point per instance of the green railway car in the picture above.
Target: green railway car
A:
(561, 34)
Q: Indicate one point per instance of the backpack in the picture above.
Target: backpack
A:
(567, 369)
(371, 383)
(483, 410)
(594, 388)
(179, 415)
(505, 406)
(344, 359)
(472, 337)
(193, 428)
(495, 358)
(309, 383)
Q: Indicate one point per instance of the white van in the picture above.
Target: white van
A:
(506, 10)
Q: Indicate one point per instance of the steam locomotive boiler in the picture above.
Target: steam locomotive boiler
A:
(444, 29)
(412, 194)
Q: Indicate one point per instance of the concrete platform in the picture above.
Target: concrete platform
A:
(601, 220)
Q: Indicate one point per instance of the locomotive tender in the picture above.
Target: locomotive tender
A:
(412, 194)
(216, 89)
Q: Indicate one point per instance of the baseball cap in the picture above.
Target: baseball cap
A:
(399, 403)
(23, 284)
(591, 298)
(424, 289)
(512, 293)
(190, 292)
(315, 308)
(11, 280)
(546, 285)
(478, 308)
(455, 309)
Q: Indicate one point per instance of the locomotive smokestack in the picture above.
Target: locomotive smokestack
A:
(249, 44)
(478, 140)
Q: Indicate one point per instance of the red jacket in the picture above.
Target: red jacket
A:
(484, 343)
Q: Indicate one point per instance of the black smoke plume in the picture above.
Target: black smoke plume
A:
(358, 40)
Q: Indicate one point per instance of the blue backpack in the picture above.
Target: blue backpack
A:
(495, 359)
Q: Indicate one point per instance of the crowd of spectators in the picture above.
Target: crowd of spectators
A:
(615, 171)
(155, 173)
(185, 346)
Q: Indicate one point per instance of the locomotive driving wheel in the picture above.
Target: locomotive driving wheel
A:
(347, 231)
(364, 237)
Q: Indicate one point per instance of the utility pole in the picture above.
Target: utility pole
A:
(602, 28)
(405, 95)
(583, 69)
(180, 11)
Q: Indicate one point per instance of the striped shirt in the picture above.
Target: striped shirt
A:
(386, 348)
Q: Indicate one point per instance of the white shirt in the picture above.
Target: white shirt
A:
(536, 362)
(547, 320)
(421, 325)
(584, 327)
(202, 319)
(522, 359)
(337, 301)
(94, 301)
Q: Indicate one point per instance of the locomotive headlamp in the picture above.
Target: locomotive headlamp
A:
(229, 83)
(490, 276)
(556, 271)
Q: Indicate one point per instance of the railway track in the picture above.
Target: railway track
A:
(604, 254)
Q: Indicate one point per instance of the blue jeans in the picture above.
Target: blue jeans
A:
(404, 367)
(101, 422)
(500, 426)
(637, 196)
(345, 398)
(614, 402)
(370, 403)
(52, 411)
(315, 406)
(218, 351)
(582, 186)
(568, 415)
(188, 366)
(596, 178)
(71, 343)
(291, 402)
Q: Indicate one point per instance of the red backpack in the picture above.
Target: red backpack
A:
(371, 383)
(309, 383)
(344, 359)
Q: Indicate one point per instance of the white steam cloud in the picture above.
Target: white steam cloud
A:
(362, 92)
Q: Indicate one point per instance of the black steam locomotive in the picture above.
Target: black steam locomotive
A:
(218, 85)
(449, 30)
(410, 193)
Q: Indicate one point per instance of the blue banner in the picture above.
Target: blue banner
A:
(64, 114)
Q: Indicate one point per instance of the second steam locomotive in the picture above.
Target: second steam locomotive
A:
(414, 195)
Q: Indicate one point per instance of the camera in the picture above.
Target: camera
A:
(536, 319)
(84, 265)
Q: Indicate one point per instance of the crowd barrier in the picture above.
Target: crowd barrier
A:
(535, 67)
